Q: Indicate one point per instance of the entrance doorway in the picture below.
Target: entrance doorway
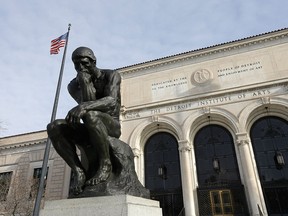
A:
(269, 137)
(162, 173)
(220, 191)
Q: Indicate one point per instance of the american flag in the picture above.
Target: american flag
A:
(57, 43)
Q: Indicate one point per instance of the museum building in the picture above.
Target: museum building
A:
(208, 129)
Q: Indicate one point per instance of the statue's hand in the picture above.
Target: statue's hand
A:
(84, 78)
(75, 114)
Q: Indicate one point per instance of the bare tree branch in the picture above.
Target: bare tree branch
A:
(21, 197)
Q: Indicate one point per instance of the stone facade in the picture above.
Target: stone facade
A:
(22, 155)
(232, 83)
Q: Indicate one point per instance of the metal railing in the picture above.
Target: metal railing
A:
(171, 203)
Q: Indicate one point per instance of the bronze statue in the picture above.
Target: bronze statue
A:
(93, 127)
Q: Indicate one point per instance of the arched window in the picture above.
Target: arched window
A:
(215, 157)
(269, 137)
(162, 162)
(162, 172)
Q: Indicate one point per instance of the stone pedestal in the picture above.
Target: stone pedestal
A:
(120, 205)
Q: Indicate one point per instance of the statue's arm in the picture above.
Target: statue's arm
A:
(111, 97)
(109, 103)
(74, 90)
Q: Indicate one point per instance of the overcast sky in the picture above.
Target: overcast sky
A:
(121, 33)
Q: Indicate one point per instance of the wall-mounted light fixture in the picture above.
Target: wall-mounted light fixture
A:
(162, 171)
(216, 164)
(278, 157)
(215, 160)
(279, 160)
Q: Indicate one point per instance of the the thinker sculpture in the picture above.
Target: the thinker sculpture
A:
(107, 164)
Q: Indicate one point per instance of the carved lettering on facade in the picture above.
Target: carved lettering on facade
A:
(171, 83)
(207, 103)
(241, 68)
(214, 101)
(179, 107)
(155, 111)
(261, 93)
(132, 115)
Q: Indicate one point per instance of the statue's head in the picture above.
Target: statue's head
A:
(81, 52)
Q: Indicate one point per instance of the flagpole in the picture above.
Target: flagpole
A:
(48, 143)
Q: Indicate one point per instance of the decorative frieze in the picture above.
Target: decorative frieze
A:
(204, 103)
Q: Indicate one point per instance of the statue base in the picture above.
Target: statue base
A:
(123, 179)
(124, 205)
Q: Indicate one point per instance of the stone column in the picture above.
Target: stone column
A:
(250, 176)
(188, 185)
(137, 156)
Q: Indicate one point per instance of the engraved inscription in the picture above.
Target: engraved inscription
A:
(170, 83)
(208, 102)
(250, 66)
(132, 115)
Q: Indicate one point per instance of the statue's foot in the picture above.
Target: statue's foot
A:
(102, 174)
(80, 179)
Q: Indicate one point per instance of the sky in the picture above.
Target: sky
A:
(120, 32)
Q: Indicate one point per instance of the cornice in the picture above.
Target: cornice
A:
(23, 140)
(20, 145)
(265, 40)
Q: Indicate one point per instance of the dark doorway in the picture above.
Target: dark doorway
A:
(269, 137)
(162, 172)
(220, 191)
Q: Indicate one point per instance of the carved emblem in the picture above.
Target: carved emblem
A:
(201, 76)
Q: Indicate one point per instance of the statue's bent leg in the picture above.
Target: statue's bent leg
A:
(61, 136)
(100, 126)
